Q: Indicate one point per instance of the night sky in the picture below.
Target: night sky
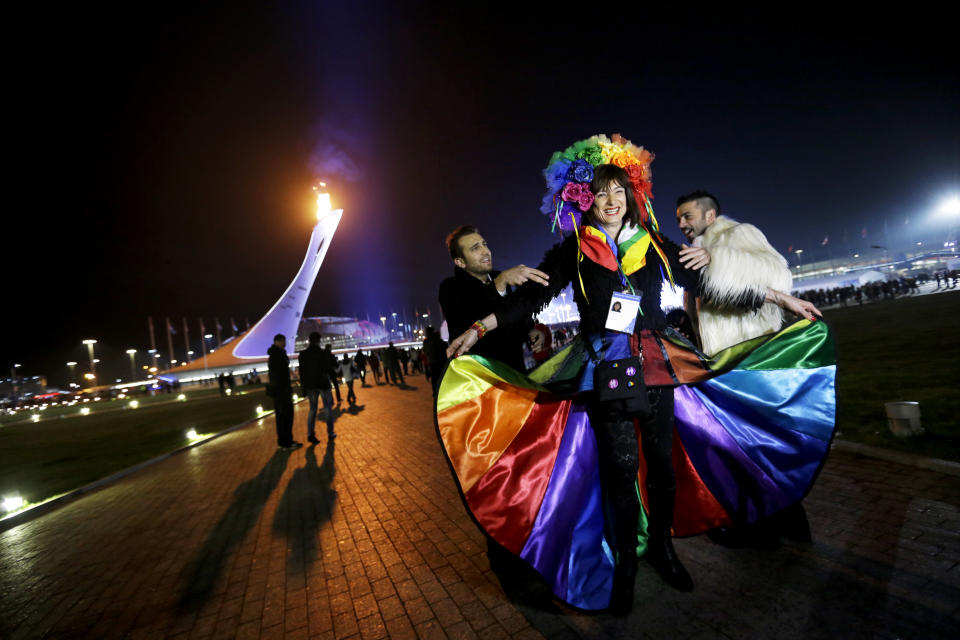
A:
(164, 159)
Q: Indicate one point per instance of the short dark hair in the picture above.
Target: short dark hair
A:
(453, 240)
(704, 199)
(279, 336)
(603, 175)
(314, 338)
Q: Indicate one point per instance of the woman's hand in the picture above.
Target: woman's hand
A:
(794, 305)
(516, 276)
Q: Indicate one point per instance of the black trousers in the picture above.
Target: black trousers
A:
(619, 463)
(283, 416)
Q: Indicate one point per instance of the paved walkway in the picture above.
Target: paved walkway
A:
(368, 538)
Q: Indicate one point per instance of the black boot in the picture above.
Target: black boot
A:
(624, 577)
(662, 557)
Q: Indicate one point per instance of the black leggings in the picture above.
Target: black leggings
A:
(619, 464)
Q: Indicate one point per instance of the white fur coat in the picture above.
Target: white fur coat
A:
(741, 262)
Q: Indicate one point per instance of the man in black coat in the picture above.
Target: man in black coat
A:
(278, 367)
(475, 290)
(315, 378)
(331, 364)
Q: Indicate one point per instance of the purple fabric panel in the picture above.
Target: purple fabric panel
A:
(734, 479)
(566, 542)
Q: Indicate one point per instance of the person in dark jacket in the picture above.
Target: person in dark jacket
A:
(315, 379)
(391, 365)
(435, 352)
(278, 367)
(476, 289)
(330, 362)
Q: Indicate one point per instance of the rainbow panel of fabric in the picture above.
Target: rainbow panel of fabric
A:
(752, 430)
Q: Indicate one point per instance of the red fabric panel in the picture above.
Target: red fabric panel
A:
(505, 502)
(696, 509)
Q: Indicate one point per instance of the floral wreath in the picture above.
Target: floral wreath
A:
(570, 172)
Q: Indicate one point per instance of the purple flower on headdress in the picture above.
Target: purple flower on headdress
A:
(580, 171)
(569, 217)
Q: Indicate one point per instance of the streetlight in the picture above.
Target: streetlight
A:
(72, 364)
(90, 343)
(13, 381)
(799, 252)
(133, 370)
(950, 207)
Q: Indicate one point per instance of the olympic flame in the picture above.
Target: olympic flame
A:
(323, 205)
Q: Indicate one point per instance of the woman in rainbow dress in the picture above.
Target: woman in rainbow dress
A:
(577, 468)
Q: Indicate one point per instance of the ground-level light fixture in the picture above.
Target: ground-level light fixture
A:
(12, 503)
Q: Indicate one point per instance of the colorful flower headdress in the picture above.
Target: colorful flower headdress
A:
(570, 172)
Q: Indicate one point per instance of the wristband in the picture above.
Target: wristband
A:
(480, 328)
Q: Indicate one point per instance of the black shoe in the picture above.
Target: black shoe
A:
(313, 440)
(331, 436)
(662, 557)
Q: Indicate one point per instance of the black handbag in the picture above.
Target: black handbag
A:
(620, 382)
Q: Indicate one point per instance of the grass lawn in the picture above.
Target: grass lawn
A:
(58, 454)
(904, 349)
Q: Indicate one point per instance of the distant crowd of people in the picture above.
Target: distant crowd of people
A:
(321, 373)
(874, 291)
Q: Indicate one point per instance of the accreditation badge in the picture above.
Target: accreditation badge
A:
(623, 311)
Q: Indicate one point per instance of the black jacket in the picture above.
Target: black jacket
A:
(465, 299)
(560, 263)
(278, 366)
(314, 372)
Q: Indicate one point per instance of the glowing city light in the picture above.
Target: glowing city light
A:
(950, 207)
(259, 409)
(134, 404)
(12, 503)
(85, 411)
(35, 417)
(192, 434)
(182, 397)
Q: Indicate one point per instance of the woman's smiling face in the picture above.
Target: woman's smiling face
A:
(610, 205)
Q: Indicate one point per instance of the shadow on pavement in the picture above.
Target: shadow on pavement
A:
(354, 409)
(248, 501)
(307, 504)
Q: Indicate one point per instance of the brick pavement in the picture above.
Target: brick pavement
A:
(368, 539)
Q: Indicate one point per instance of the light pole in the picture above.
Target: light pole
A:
(90, 343)
(133, 372)
(799, 253)
(13, 381)
(73, 376)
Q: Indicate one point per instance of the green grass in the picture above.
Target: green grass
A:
(56, 455)
(904, 349)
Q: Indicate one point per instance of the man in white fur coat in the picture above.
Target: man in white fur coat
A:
(741, 260)
(738, 258)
